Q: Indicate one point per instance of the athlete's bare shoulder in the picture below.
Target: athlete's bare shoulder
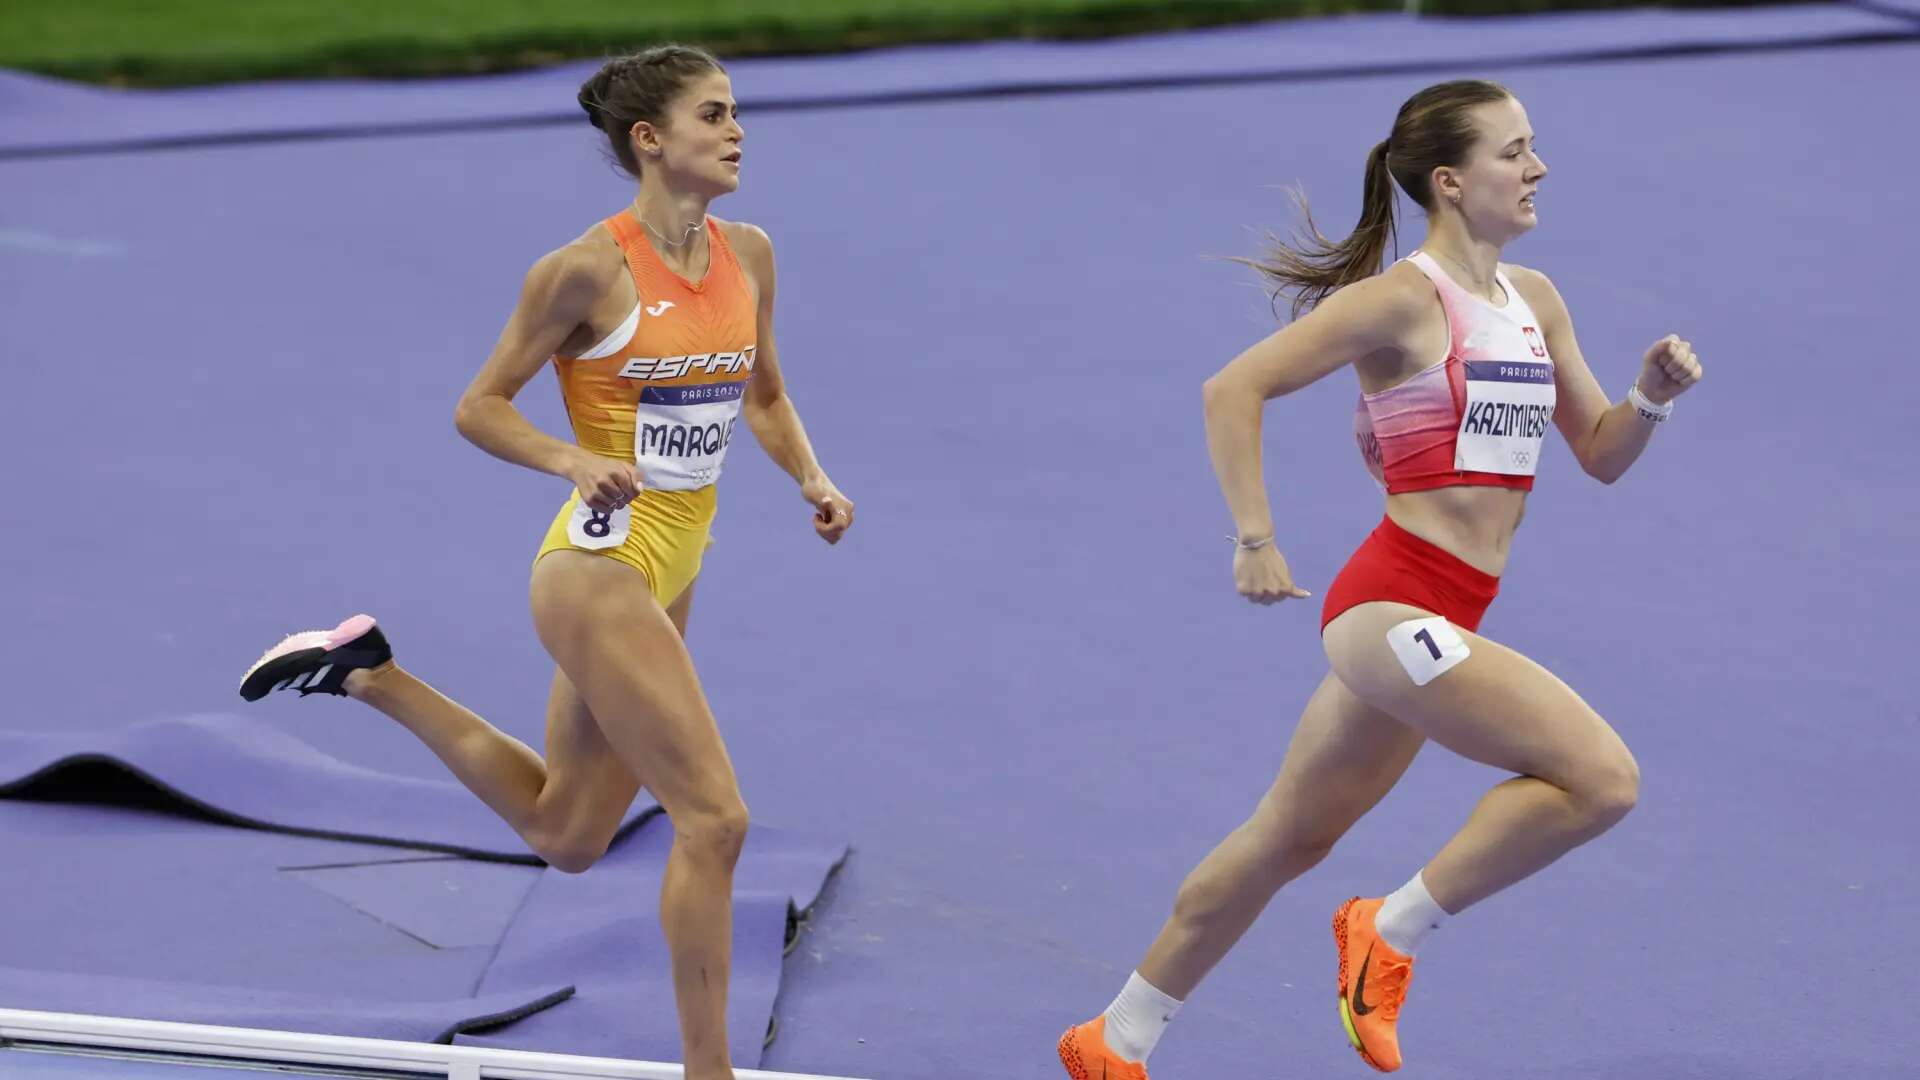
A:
(1524, 276)
(744, 232)
(592, 259)
(1529, 281)
(753, 247)
(1404, 289)
(749, 241)
(573, 276)
(567, 282)
(1388, 304)
(1535, 286)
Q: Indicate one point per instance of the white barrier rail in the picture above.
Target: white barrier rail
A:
(70, 1030)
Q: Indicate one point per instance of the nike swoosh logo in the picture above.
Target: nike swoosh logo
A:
(1360, 1006)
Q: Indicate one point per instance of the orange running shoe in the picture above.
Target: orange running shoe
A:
(1373, 984)
(1083, 1050)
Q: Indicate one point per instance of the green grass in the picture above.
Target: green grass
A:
(179, 42)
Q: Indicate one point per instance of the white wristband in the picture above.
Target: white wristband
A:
(1251, 545)
(1649, 411)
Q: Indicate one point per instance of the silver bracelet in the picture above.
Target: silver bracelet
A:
(1255, 545)
(1650, 412)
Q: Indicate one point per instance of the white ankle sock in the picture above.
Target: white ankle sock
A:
(1408, 916)
(1137, 1019)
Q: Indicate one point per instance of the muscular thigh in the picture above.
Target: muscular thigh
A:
(589, 788)
(1344, 757)
(624, 654)
(581, 764)
(1495, 706)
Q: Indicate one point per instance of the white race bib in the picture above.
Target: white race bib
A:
(1427, 648)
(597, 530)
(681, 431)
(1509, 408)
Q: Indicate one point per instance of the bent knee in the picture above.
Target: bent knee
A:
(1292, 849)
(1215, 892)
(1286, 849)
(1296, 834)
(1610, 790)
(720, 830)
(570, 854)
(1305, 853)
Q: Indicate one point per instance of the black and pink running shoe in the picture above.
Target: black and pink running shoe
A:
(317, 661)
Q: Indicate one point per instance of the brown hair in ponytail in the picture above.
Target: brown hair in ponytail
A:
(1434, 128)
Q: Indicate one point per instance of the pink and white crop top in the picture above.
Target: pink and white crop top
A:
(1477, 417)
